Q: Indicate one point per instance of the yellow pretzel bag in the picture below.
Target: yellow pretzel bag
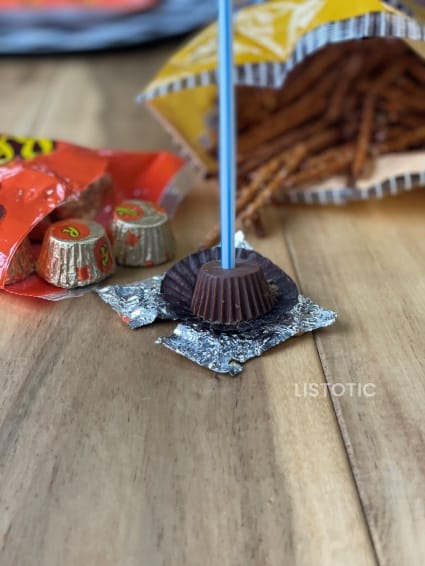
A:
(274, 41)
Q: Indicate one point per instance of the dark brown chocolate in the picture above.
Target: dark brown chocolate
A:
(179, 283)
(229, 296)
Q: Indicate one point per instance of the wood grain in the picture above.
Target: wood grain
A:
(114, 450)
(367, 261)
(24, 87)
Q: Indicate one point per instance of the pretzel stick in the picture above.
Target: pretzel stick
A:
(380, 126)
(251, 109)
(387, 133)
(407, 86)
(351, 105)
(333, 161)
(380, 57)
(402, 142)
(299, 153)
(301, 111)
(342, 159)
(410, 120)
(352, 70)
(247, 194)
(393, 112)
(289, 117)
(350, 128)
(307, 176)
(364, 137)
(329, 159)
(291, 161)
(265, 195)
(329, 155)
(417, 70)
(414, 101)
(308, 74)
(213, 237)
(284, 142)
(388, 76)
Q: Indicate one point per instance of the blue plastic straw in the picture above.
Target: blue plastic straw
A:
(227, 137)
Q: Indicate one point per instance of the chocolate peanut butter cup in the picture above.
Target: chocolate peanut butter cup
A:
(75, 253)
(192, 289)
(229, 296)
(141, 234)
(22, 264)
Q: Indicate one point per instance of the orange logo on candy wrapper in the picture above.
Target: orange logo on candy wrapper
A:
(103, 255)
(129, 211)
(70, 231)
(132, 239)
(84, 273)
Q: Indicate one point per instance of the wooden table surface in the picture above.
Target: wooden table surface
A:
(115, 451)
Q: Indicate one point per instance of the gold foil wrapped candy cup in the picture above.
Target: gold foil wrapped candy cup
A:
(75, 253)
(141, 234)
(22, 264)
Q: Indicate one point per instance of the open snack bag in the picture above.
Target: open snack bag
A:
(44, 181)
(330, 101)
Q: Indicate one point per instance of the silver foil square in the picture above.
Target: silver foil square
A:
(140, 304)
(226, 352)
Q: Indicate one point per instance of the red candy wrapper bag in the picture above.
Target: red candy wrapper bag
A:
(39, 178)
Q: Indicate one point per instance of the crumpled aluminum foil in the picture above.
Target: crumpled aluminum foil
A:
(140, 304)
(225, 352)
